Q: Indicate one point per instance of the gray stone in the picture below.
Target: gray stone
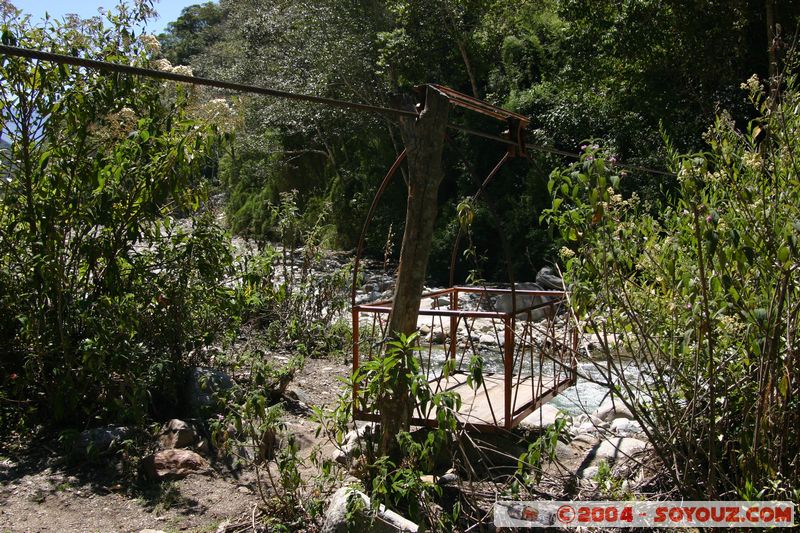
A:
(482, 325)
(100, 440)
(296, 395)
(549, 279)
(352, 443)
(585, 440)
(505, 303)
(589, 424)
(383, 521)
(448, 478)
(487, 339)
(442, 302)
(203, 384)
(618, 448)
(612, 409)
(569, 452)
(437, 336)
(541, 418)
(625, 427)
(176, 434)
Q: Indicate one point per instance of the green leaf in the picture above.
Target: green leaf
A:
(784, 254)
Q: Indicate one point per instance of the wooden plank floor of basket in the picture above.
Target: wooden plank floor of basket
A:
(485, 406)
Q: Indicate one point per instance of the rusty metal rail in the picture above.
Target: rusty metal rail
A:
(527, 353)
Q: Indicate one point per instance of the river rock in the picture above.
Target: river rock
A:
(173, 464)
(541, 418)
(100, 440)
(589, 424)
(589, 472)
(482, 325)
(176, 434)
(437, 336)
(618, 448)
(624, 427)
(505, 304)
(386, 521)
(442, 302)
(202, 386)
(352, 443)
(549, 279)
(612, 409)
(487, 339)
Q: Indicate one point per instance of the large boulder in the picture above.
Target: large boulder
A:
(549, 279)
(624, 427)
(505, 303)
(352, 443)
(612, 408)
(618, 448)
(202, 389)
(100, 440)
(362, 518)
(173, 464)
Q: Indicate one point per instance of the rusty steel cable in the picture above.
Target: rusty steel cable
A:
(107, 66)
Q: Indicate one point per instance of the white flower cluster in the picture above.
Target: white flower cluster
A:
(183, 70)
(614, 198)
(151, 44)
(753, 84)
(217, 112)
(126, 116)
(165, 66)
(162, 65)
(753, 161)
(115, 126)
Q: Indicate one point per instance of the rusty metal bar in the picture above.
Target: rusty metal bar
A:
(479, 106)
(508, 354)
(454, 255)
(356, 314)
(493, 290)
(453, 323)
(384, 184)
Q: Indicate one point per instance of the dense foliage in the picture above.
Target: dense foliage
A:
(115, 277)
(701, 297)
(105, 297)
(580, 69)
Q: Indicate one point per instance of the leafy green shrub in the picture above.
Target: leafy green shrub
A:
(105, 299)
(699, 291)
(287, 291)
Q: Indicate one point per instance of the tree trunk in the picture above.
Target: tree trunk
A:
(462, 47)
(424, 141)
(771, 44)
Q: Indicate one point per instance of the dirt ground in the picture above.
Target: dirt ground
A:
(40, 491)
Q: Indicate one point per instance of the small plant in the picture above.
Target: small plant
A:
(397, 482)
(609, 485)
(529, 465)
